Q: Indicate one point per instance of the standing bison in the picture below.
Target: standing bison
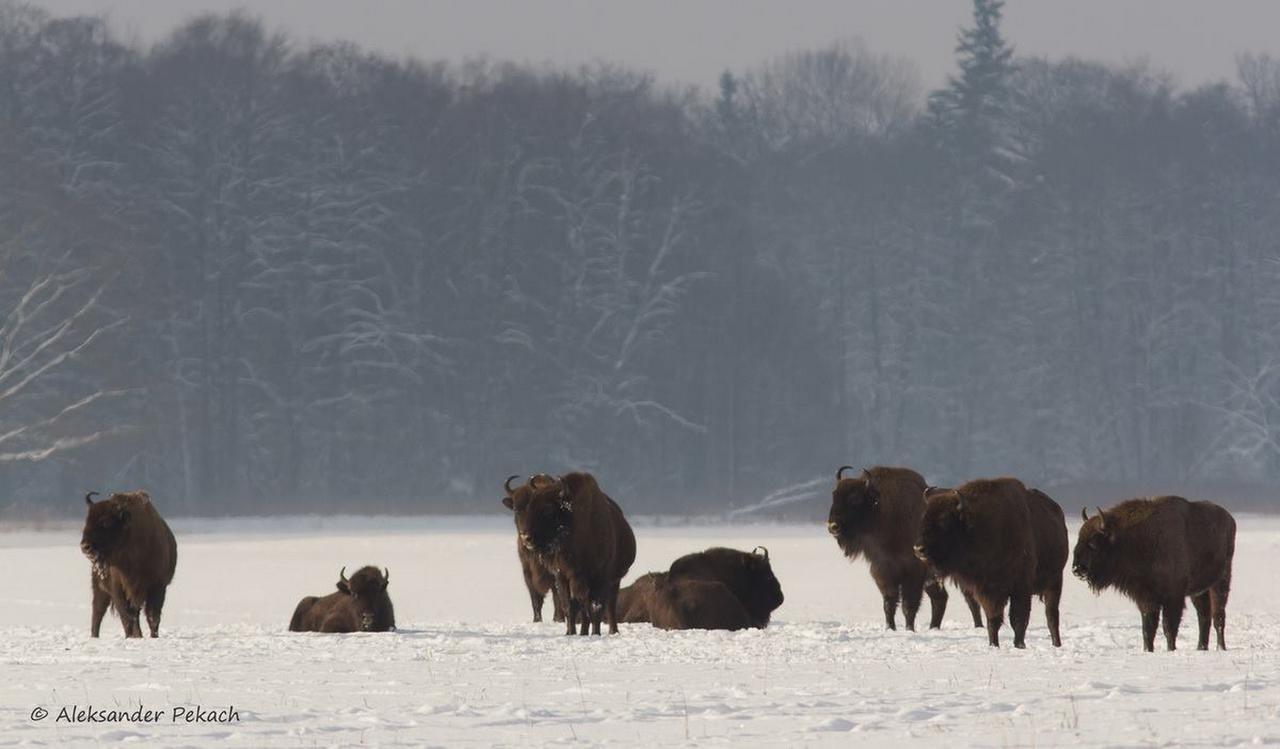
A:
(133, 555)
(1002, 543)
(877, 514)
(746, 576)
(537, 578)
(580, 534)
(1157, 552)
(361, 604)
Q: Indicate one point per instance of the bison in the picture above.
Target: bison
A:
(877, 514)
(1157, 552)
(133, 555)
(1002, 543)
(691, 603)
(361, 604)
(537, 578)
(747, 575)
(580, 534)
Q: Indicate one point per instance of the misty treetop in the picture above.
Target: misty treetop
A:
(253, 275)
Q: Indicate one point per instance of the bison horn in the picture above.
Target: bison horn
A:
(342, 575)
(88, 498)
(538, 480)
(759, 549)
(840, 471)
(1084, 514)
(507, 484)
(1102, 519)
(386, 575)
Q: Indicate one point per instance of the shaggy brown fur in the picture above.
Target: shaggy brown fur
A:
(1157, 552)
(1002, 543)
(361, 604)
(748, 575)
(579, 532)
(538, 580)
(877, 514)
(133, 555)
(684, 603)
(633, 600)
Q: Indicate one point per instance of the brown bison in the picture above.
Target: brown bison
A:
(877, 514)
(1002, 543)
(1157, 552)
(747, 575)
(133, 555)
(692, 603)
(361, 604)
(577, 531)
(537, 578)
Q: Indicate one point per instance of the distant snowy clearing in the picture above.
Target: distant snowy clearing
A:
(468, 668)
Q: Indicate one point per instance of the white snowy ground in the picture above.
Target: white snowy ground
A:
(468, 668)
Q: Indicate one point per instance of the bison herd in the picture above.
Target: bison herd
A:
(997, 540)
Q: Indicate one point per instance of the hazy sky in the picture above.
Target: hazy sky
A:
(692, 40)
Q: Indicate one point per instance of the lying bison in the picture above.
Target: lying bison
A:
(576, 530)
(1002, 543)
(748, 576)
(877, 514)
(690, 603)
(537, 578)
(361, 604)
(133, 555)
(1157, 552)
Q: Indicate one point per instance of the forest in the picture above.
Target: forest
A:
(256, 275)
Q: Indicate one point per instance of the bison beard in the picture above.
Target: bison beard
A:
(1157, 552)
(133, 555)
(361, 604)
(1002, 543)
(877, 514)
(576, 530)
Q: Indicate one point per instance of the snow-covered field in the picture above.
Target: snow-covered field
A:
(468, 668)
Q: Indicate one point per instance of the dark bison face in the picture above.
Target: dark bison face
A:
(543, 514)
(943, 529)
(368, 591)
(1094, 558)
(854, 504)
(104, 525)
(766, 591)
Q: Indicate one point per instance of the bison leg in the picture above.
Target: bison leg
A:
(584, 614)
(1052, 597)
(1201, 603)
(937, 603)
(1150, 621)
(611, 603)
(571, 618)
(994, 609)
(975, 610)
(154, 605)
(597, 614)
(1218, 605)
(536, 599)
(129, 618)
(101, 601)
(890, 608)
(1172, 619)
(912, 590)
(1020, 617)
(557, 603)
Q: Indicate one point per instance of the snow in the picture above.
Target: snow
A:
(468, 668)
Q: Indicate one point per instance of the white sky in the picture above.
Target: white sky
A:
(691, 41)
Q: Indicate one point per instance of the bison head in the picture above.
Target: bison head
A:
(765, 590)
(367, 589)
(543, 513)
(105, 525)
(943, 529)
(1094, 557)
(854, 505)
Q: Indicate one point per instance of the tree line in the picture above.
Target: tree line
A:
(254, 275)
